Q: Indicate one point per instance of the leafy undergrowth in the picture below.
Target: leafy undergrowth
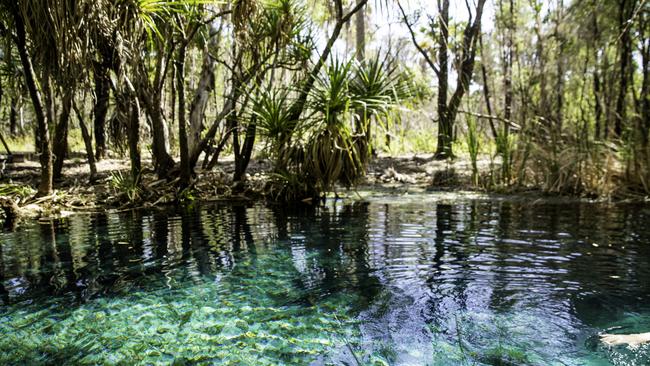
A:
(255, 315)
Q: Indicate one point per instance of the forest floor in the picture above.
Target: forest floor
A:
(393, 175)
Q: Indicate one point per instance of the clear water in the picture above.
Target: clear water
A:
(389, 282)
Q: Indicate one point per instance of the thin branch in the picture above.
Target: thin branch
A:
(489, 117)
(354, 10)
(415, 42)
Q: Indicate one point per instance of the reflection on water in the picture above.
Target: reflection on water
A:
(475, 282)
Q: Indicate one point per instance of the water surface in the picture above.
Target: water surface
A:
(389, 282)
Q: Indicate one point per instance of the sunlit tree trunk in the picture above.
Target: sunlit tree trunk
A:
(203, 90)
(360, 32)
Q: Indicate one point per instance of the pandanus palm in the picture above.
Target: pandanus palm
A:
(332, 152)
(377, 86)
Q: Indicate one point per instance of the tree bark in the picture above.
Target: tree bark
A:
(60, 147)
(134, 141)
(13, 118)
(625, 57)
(102, 94)
(45, 158)
(182, 123)
(447, 113)
(203, 90)
(559, 88)
(445, 124)
(151, 97)
(360, 32)
(507, 64)
(88, 143)
(645, 83)
(486, 89)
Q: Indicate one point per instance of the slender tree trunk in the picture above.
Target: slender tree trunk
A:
(360, 32)
(598, 108)
(465, 72)
(182, 123)
(60, 147)
(445, 125)
(244, 156)
(200, 102)
(134, 138)
(486, 89)
(645, 83)
(163, 162)
(608, 96)
(625, 56)
(507, 64)
(13, 117)
(45, 186)
(102, 94)
(542, 108)
(88, 143)
(560, 69)
(151, 96)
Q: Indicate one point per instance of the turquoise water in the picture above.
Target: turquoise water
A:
(388, 282)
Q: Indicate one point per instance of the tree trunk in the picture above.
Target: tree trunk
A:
(134, 138)
(102, 94)
(486, 89)
(445, 124)
(507, 64)
(244, 156)
(645, 83)
(45, 158)
(88, 143)
(203, 90)
(625, 56)
(542, 107)
(465, 72)
(13, 117)
(182, 123)
(559, 88)
(151, 95)
(360, 32)
(60, 147)
(598, 108)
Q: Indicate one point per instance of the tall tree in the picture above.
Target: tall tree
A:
(43, 133)
(448, 107)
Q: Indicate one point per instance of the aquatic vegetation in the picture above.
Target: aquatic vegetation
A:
(394, 282)
(252, 316)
